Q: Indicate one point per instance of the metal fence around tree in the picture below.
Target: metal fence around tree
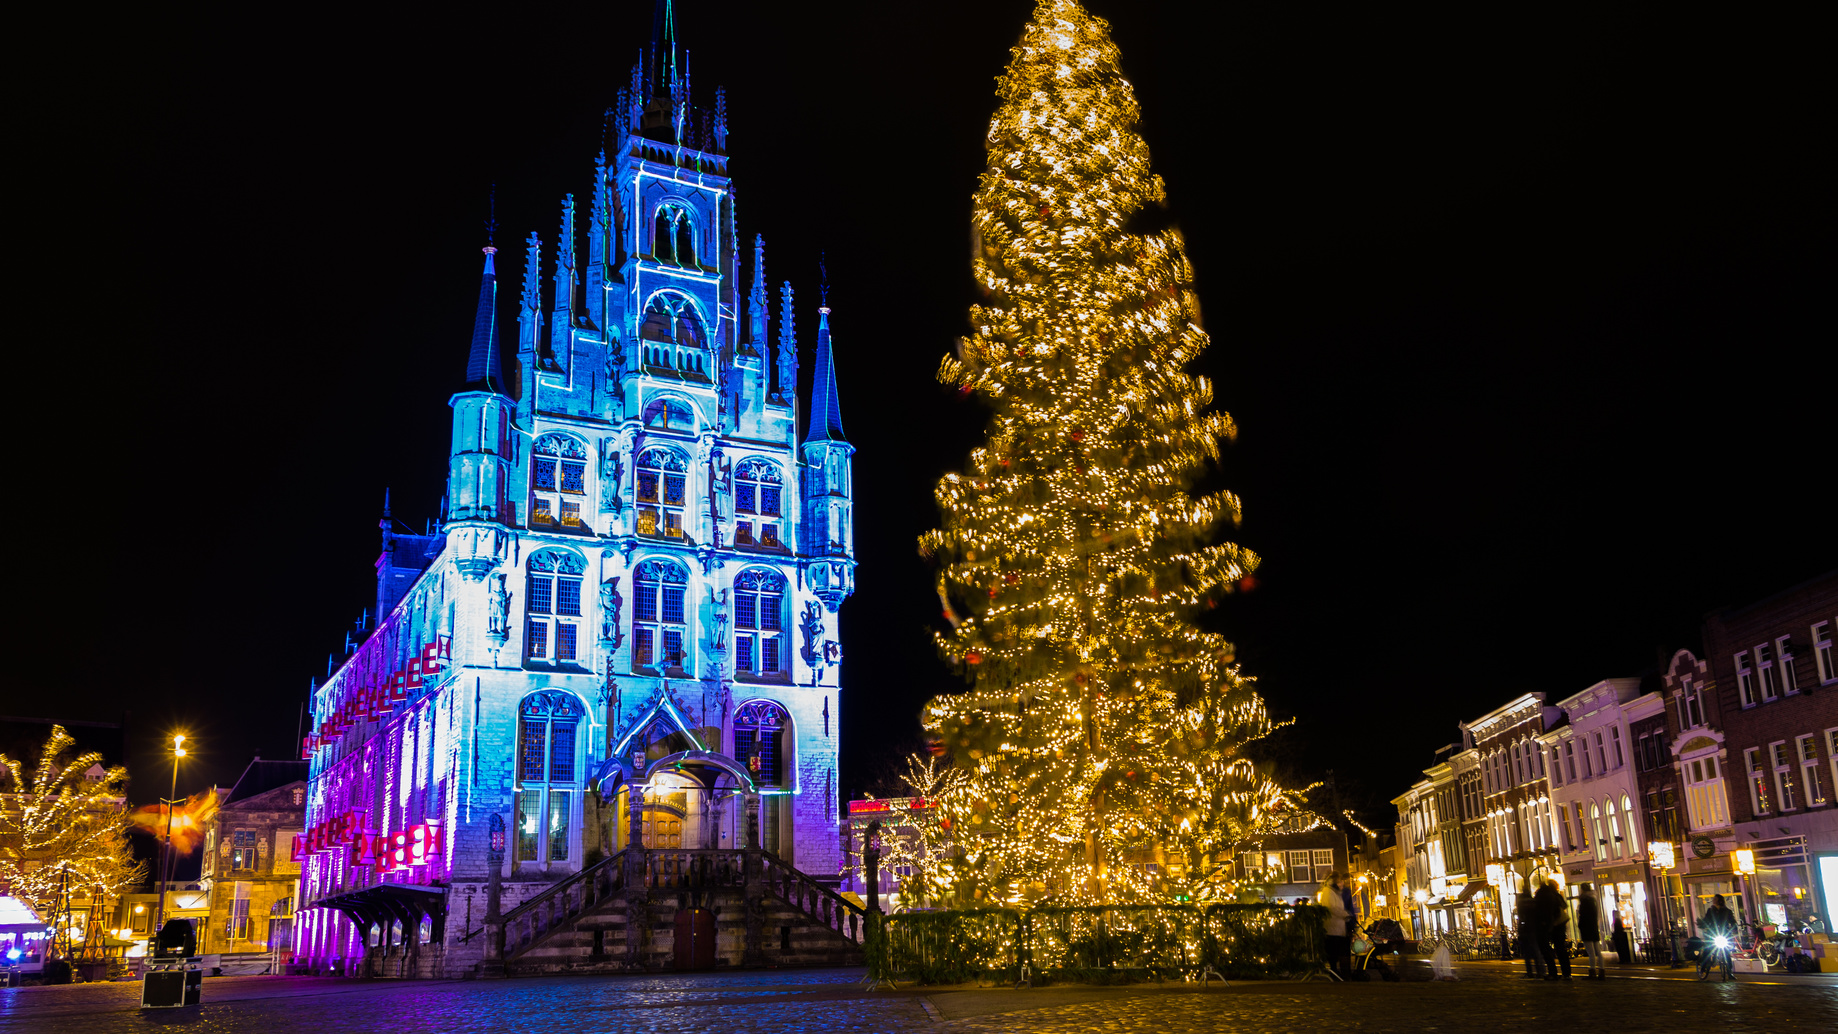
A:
(1101, 943)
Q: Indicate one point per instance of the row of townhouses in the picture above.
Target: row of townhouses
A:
(1713, 776)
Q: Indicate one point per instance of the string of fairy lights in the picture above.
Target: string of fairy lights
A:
(1103, 730)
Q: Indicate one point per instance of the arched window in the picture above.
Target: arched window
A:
(1633, 827)
(558, 480)
(548, 773)
(1601, 842)
(554, 606)
(760, 727)
(670, 414)
(658, 625)
(673, 336)
(663, 485)
(673, 235)
(1614, 828)
(758, 494)
(759, 618)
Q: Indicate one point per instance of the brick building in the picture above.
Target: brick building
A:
(1520, 823)
(1775, 677)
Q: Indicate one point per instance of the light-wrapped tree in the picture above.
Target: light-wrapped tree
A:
(1103, 725)
(65, 826)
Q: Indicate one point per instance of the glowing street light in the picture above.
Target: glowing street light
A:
(178, 752)
(1745, 861)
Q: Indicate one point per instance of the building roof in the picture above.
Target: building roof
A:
(262, 776)
(826, 412)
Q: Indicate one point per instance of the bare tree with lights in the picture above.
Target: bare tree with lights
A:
(65, 825)
(1103, 728)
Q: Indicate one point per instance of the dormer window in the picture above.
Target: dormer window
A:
(758, 493)
(663, 486)
(558, 480)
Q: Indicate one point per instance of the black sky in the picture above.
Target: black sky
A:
(1525, 315)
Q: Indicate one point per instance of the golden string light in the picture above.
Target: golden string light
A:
(1101, 743)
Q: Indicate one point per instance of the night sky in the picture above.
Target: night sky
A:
(1525, 316)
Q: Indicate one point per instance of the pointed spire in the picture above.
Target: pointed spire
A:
(756, 299)
(560, 327)
(826, 413)
(788, 347)
(484, 370)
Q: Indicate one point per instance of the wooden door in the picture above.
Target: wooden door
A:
(695, 939)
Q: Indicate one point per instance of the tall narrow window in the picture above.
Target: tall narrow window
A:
(758, 491)
(1706, 804)
(659, 627)
(1570, 758)
(1614, 738)
(558, 482)
(1765, 673)
(760, 732)
(1614, 828)
(1783, 773)
(1783, 653)
(663, 486)
(1745, 679)
(548, 724)
(1758, 781)
(759, 618)
(1601, 754)
(1690, 704)
(1822, 652)
(1601, 841)
(1557, 770)
(1633, 825)
(553, 600)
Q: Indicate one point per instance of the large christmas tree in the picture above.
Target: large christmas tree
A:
(1103, 730)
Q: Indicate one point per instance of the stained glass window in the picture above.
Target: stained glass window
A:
(574, 478)
(663, 482)
(757, 492)
(544, 470)
(759, 729)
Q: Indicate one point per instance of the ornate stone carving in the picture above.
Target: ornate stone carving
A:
(611, 603)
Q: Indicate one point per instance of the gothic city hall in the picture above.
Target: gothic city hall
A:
(594, 724)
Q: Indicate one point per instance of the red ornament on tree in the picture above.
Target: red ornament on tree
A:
(973, 657)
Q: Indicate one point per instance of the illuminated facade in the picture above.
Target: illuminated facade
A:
(636, 581)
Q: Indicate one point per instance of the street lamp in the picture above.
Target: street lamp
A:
(159, 917)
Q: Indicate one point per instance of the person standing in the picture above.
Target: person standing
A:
(1589, 930)
(1524, 924)
(1338, 943)
(1553, 926)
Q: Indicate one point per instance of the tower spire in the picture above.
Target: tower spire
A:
(756, 298)
(826, 413)
(788, 348)
(484, 370)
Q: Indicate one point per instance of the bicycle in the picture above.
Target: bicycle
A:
(1717, 952)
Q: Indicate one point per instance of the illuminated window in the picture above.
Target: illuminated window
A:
(1706, 804)
(758, 491)
(659, 625)
(759, 618)
(1822, 652)
(1783, 773)
(761, 738)
(558, 480)
(548, 773)
(553, 595)
(242, 850)
(1758, 781)
(663, 487)
(236, 924)
(1601, 840)
(1633, 834)
(1614, 828)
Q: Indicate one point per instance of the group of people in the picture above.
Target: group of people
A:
(1543, 919)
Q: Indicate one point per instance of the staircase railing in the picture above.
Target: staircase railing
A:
(821, 904)
(671, 869)
(526, 923)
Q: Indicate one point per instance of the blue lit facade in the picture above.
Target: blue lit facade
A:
(641, 560)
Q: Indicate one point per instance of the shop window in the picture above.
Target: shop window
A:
(659, 622)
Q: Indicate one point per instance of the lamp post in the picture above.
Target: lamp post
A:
(159, 917)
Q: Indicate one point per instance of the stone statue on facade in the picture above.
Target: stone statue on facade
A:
(811, 624)
(721, 620)
(612, 472)
(499, 621)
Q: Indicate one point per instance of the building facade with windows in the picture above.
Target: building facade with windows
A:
(1520, 821)
(251, 865)
(1594, 794)
(626, 624)
(1775, 675)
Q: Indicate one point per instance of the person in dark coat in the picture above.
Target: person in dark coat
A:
(1525, 924)
(1553, 923)
(1589, 930)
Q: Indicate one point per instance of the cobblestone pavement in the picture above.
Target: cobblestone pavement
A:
(1488, 997)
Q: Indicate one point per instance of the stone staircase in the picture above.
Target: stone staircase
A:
(620, 915)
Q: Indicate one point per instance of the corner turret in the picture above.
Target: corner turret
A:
(479, 462)
(828, 528)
